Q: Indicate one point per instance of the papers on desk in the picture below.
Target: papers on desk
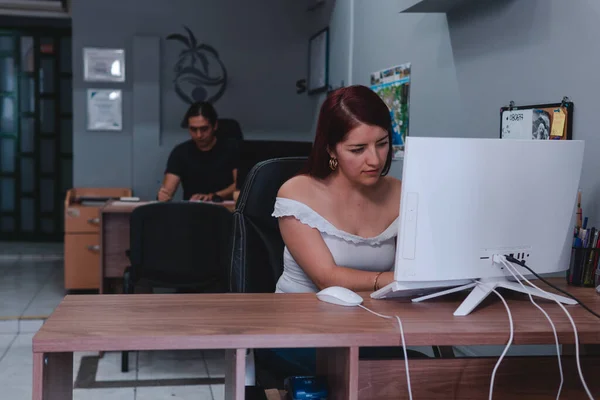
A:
(129, 203)
(89, 203)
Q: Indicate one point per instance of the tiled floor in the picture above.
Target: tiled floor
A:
(31, 286)
(152, 375)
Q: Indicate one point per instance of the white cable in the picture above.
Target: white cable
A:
(509, 267)
(403, 345)
(510, 339)
(587, 390)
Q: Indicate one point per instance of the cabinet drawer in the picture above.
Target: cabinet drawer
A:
(81, 219)
(82, 261)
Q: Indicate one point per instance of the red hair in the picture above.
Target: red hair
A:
(343, 110)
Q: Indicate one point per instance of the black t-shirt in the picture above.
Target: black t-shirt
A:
(204, 171)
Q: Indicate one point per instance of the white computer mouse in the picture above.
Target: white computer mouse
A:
(340, 296)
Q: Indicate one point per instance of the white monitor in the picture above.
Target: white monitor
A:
(464, 200)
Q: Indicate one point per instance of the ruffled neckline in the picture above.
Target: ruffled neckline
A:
(285, 207)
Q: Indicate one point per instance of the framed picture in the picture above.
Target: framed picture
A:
(103, 65)
(552, 121)
(104, 110)
(318, 62)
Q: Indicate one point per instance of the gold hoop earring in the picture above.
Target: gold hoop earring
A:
(333, 163)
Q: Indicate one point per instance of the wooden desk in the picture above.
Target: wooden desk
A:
(237, 322)
(114, 238)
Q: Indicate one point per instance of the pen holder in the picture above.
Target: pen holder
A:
(583, 267)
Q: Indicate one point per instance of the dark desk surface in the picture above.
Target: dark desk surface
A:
(204, 321)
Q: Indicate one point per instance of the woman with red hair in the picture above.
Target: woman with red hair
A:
(339, 217)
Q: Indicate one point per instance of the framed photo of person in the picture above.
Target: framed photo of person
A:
(318, 62)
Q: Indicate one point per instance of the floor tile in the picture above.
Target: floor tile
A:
(104, 394)
(30, 288)
(54, 248)
(218, 392)
(77, 361)
(16, 391)
(174, 392)
(49, 297)
(109, 367)
(30, 325)
(171, 365)
(16, 367)
(14, 304)
(215, 363)
(5, 341)
(9, 326)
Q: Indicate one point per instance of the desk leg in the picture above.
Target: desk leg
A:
(235, 374)
(52, 376)
(340, 367)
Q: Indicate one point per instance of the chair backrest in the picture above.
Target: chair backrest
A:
(254, 151)
(180, 243)
(230, 129)
(257, 249)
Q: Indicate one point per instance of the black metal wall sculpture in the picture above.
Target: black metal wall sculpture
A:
(199, 72)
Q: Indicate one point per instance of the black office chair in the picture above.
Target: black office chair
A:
(178, 245)
(257, 257)
(257, 250)
(229, 128)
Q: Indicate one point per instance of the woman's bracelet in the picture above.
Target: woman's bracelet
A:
(375, 287)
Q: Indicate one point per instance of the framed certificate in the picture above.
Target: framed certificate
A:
(104, 110)
(103, 65)
(318, 62)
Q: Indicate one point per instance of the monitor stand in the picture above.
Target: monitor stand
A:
(483, 287)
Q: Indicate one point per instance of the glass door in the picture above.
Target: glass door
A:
(36, 133)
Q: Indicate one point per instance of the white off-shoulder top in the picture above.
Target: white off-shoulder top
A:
(368, 254)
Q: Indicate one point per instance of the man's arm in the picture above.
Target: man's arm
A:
(227, 193)
(168, 187)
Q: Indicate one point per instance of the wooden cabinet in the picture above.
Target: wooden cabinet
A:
(82, 235)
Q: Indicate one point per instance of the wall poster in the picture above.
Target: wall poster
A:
(393, 86)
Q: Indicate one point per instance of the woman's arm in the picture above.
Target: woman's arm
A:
(312, 254)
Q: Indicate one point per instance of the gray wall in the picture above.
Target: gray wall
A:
(483, 55)
(383, 38)
(531, 51)
(337, 15)
(263, 45)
